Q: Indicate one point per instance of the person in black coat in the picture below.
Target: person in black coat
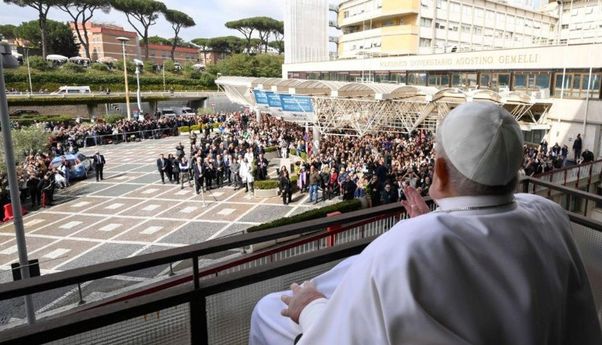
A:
(285, 187)
(34, 185)
(99, 163)
(161, 166)
(175, 167)
(577, 146)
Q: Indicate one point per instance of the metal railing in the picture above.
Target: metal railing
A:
(572, 174)
(124, 137)
(216, 309)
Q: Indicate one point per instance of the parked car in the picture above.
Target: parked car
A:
(186, 111)
(166, 112)
(71, 90)
(80, 165)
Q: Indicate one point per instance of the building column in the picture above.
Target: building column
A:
(317, 136)
(258, 115)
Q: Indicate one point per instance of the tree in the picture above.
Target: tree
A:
(227, 44)
(178, 21)
(81, 11)
(245, 26)
(59, 35)
(25, 140)
(42, 6)
(278, 45)
(7, 31)
(145, 12)
(159, 40)
(265, 26)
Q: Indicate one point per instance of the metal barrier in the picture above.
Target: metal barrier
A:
(216, 310)
(573, 174)
(124, 137)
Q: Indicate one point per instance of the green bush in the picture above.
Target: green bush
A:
(71, 67)
(30, 119)
(266, 184)
(113, 118)
(292, 152)
(271, 149)
(343, 207)
(38, 62)
(101, 67)
(183, 129)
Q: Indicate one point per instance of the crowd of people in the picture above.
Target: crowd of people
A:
(231, 150)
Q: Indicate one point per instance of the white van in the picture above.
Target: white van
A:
(186, 111)
(71, 90)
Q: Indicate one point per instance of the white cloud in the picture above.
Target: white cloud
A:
(209, 17)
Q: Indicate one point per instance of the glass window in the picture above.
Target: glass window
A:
(485, 80)
(543, 80)
(520, 80)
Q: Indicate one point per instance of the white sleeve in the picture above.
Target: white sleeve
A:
(311, 313)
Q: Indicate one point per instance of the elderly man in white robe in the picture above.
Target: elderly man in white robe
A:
(487, 267)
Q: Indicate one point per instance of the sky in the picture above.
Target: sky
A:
(209, 15)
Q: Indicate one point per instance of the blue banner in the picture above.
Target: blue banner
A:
(260, 97)
(273, 99)
(296, 104)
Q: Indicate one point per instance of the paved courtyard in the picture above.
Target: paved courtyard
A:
(132, 213)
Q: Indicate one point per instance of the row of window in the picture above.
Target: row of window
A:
(577, 84)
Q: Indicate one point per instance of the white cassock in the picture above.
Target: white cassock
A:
(493, 275)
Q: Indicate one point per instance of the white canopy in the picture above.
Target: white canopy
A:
(56, 57)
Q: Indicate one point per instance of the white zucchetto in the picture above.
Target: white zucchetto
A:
(483, 141)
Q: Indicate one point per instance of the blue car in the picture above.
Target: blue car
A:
(80, 165)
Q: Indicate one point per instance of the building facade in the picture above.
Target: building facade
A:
(402, 27)
(306, 30)
(104, 45)
(158, 53)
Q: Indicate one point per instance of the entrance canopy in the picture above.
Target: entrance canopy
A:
(362, 108)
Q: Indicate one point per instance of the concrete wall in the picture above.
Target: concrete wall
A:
(566, 118)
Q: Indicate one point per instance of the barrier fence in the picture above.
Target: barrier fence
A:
(214, 307)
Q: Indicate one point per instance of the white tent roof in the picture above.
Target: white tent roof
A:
(56, 57)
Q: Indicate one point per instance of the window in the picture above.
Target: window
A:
(465, 28)
(564, 26)
(532, 80)
(426, 22)
(425, 42)
(346, 14)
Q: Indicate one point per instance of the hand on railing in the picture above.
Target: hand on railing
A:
(414, 203)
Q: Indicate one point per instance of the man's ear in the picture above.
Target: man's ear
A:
(442, 172)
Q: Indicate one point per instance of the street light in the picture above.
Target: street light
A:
(9, 61)
(123, 41)
(28, 70)
(139, 64)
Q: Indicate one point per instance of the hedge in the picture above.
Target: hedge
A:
(98, 80)
(31, 119)
(343, 207)
(274, 183)
(185, 129)
(73, 100)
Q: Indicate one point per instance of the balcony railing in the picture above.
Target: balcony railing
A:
(214, 305)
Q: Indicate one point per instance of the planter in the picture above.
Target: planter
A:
(265, 193)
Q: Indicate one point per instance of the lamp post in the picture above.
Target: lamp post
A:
(139, 64)
(28, 70)
(8, 61)
(123, 41)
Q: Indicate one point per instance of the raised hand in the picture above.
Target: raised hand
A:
(414, 203)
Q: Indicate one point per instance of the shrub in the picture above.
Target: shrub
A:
(101, 67)
(183, 129)
(71, 67)
(113, 118)
(343, 207)
(38, 62)
(266, 184)
(271, 149)
(292, 152)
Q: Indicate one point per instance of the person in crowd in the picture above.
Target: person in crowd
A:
(99, 163)
(246, 175)
(588, 156)
(235, 173)
(162, 167)
(463, 274)
(577, 146)
(285, 186)
(34, 185)
(219, 170)
(175, 168)
(47, 189)
(169, 167)
(184, 168)
(314, 183)
(198, 172)
(332, 186)
(302, 179)
(388, 195)
(262, 167)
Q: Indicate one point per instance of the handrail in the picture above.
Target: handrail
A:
(556, 171)
(51, 329)
(572, 191)
(220, 267)
(107, 269)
